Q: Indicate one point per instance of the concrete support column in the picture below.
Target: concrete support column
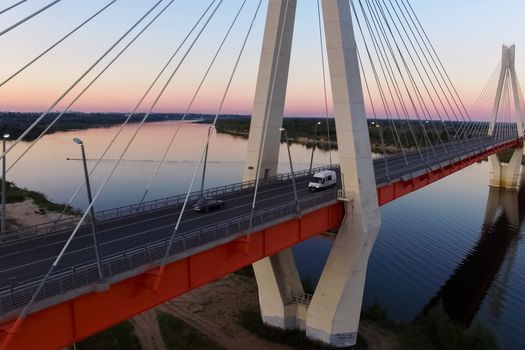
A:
(270, 91)
(502, 174)
(277, 277)
(278, 282)
(506, 175)
(505, 61)
(520, 114)
(333, 315)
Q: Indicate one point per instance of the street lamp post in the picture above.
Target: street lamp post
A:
(4, 195)
(283, 130)
(92, 209)
(313, 147)
(205, 160)
(384, 151)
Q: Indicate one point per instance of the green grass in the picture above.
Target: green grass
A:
(251, 320)
(179, 335)
(119, 337)
(16, 194)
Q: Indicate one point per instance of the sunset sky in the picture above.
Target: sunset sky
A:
(467, 34)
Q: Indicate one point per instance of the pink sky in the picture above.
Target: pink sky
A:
(469, 46)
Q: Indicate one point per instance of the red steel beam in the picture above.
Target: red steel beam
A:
(75, 319)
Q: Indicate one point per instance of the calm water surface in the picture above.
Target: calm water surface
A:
(455, 242)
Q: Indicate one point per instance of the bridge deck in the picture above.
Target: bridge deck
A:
(134, 239)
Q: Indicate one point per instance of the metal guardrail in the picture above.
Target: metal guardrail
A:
(77, 277)
(302, 299)
(157, 204)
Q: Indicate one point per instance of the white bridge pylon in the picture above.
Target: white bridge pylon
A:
(507, 175)
(333, 314)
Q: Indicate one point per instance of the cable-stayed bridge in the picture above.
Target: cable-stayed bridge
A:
(87, 274)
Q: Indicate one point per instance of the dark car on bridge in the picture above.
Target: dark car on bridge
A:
(204, 205)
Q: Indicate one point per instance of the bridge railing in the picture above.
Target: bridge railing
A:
(67, 280)
(152, 205)
(302, 299)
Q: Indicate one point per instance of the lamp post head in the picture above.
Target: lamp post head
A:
(281, 129)
(6, 136)
(318, 123)
(77, 141)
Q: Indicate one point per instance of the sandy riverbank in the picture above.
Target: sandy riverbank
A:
(214, 308)
(24, 214)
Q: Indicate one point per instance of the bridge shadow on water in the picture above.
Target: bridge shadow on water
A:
(495, 252)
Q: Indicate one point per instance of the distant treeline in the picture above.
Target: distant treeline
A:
(389, 136)
(15, 123)
(392, 134)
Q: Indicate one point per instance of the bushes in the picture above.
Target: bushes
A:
(179, 335)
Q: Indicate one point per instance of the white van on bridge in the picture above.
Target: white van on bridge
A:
(323, 180)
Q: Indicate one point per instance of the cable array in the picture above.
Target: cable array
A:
(419, 107)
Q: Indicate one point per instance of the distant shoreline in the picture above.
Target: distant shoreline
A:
(384, 140)
(15, 123)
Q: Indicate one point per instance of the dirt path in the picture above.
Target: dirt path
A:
(213, 310)
(147, 330)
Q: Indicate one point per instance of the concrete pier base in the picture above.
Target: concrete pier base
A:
(506, 175)
(278, 281)
(333, 314)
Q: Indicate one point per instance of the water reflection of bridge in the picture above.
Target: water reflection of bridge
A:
(495, 252)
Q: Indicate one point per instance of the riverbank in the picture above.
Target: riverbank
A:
(26, 208)
(16, 123)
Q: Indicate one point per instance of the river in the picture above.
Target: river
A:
(455, 242)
